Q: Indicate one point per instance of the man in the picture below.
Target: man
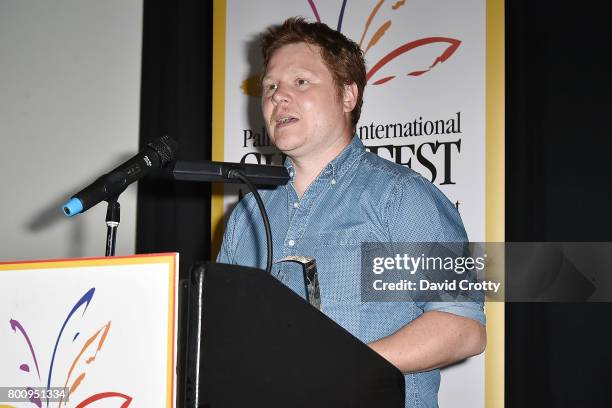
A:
(340, 196)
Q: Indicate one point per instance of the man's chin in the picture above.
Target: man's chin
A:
(287, 144)
(289, 150)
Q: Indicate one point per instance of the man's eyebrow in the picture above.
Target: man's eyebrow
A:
(296, 71)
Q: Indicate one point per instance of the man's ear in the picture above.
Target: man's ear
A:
(349, 97)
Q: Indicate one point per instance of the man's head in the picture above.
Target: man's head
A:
(342, 57)
(310, 109)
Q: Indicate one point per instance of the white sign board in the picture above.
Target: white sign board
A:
(104, 328)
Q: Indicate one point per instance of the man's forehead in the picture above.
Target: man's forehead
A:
(295, 57)
(298, 46)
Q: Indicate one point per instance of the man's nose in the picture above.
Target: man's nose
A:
(281, 94)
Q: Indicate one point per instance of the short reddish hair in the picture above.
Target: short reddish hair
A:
(342, 56)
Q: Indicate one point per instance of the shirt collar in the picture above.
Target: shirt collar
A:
(340, 164)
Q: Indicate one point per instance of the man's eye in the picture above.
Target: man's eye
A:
(301, 82)
(271, 87)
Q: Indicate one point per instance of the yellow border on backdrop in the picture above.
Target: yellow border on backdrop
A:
(495, 192)
(170, 259)
(495, 169)
(218, 120)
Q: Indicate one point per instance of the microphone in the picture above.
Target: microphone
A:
(157, 154)
(223, 172)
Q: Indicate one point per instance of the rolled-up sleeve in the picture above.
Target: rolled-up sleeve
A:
(420, 212)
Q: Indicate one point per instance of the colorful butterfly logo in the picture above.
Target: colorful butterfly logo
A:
(379, 73)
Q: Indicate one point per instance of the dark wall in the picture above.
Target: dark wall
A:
(176, 101)
(558, 84)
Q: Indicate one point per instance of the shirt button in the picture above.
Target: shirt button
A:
(296, 205)
(291, 242)
(291, 173)
(333, 181)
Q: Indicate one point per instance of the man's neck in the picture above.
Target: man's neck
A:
(308, 168)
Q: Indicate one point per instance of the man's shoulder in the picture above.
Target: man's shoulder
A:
(384, 167)
(383, 173)
(407, 192)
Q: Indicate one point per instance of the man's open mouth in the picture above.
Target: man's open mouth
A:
(285, 121)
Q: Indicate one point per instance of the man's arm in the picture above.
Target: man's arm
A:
(446, 332)
(433, 340)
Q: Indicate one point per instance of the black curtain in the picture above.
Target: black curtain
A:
(176, 101)
(558, 84)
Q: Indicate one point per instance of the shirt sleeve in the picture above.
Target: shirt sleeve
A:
(235, 227)
(420, 212)
(227, 251)
(224, 255)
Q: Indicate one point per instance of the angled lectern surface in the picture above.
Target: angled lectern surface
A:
(252, 342)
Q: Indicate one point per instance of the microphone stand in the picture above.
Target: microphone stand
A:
(113, 212)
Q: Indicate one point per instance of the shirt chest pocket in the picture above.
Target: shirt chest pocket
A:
(338, 256)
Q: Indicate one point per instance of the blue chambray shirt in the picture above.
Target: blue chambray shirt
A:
(358, 197)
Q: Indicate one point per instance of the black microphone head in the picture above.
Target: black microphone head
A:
(166, 148)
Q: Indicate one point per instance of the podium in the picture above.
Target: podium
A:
(253, 342)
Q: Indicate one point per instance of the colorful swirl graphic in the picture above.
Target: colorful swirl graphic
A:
(87, 355)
